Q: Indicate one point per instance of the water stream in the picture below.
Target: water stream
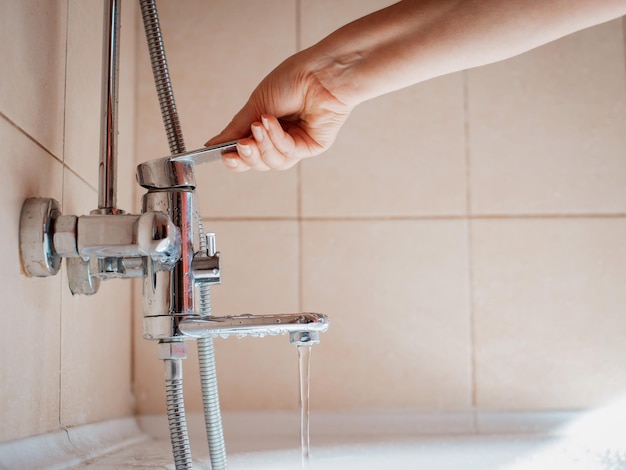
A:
(304, 356)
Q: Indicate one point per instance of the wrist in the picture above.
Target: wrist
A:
(335, 71)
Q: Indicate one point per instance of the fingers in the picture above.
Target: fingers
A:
(276, 148)
(250, 154)
(269, 147)
(233, 162)
(283, 153)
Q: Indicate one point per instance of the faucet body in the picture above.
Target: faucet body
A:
(169, 291)
(170, 310)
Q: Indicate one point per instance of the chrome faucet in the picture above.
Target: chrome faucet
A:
(168, 294)
(165, 246)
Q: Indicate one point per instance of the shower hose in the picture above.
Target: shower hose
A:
(206, 354)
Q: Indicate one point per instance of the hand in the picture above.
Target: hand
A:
(288, 117)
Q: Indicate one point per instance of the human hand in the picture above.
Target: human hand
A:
(291, 115)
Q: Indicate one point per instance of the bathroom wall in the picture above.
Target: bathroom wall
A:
(466, 236)
(65, 360)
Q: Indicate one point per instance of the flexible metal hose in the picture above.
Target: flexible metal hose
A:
(178, 423)
(208, 378)
(211, 402)
(206, 353)
(161, 75)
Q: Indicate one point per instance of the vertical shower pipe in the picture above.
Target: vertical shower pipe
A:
(107, 187)
(206, 355)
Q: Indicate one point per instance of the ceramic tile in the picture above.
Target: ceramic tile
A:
(399, 155)
(31, 321)
(95, 338)
(83, 97)
(547, 130)
(32, 51)
(396, 293)
(83, 107)
(549, 312)
(260, 275)
(211, 82)
(127, 187)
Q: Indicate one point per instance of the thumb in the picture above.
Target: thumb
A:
(238, 128)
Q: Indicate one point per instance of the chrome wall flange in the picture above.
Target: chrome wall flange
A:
(37, 221)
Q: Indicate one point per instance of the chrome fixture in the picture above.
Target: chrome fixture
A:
(107, 188)
(165, 246)
(114, 244)
(177, 171)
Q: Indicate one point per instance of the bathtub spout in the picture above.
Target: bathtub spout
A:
(302, 327)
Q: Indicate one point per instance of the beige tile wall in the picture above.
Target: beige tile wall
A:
(464, 235)
(66, 360)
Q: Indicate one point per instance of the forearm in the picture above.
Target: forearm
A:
(415, 40)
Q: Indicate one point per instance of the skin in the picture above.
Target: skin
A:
(297, 111)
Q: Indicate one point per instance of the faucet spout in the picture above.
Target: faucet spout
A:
(256, 325)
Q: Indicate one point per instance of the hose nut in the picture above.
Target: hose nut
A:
(172, 350)
(64, 238)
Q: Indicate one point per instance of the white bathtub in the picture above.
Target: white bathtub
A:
(511, 441)
(382, 441)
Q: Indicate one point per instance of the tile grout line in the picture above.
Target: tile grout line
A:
(419, 218)
(469, 228)
(29, 137)
(63, 187)
(77, 175)
(48, 152)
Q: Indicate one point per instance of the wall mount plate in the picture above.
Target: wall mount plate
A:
(36, 230)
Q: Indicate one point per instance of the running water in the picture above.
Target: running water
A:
(304, 355)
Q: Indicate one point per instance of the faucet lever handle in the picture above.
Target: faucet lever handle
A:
(206, 154)
(176, 171)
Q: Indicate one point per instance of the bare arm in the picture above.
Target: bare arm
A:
(298, 109)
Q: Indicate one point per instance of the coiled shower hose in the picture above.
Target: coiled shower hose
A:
(206, 354)
(208, 377)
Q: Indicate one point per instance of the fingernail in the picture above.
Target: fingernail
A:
(266, 122)
(231, 162)
(245, 150)
(257, 132)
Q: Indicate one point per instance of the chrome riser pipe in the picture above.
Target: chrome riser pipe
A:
(107, 184)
